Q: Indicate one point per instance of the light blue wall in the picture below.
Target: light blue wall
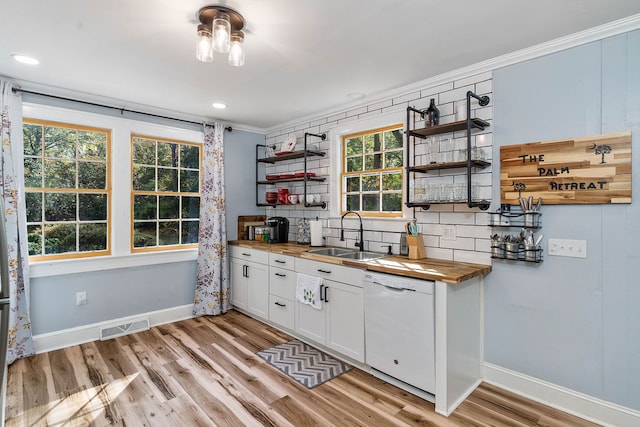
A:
(572, 322)
(240, 177)
(111, 294)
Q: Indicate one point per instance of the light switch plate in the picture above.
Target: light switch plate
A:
(449, 232)
(568, 248)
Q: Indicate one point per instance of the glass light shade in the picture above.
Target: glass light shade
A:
(204, 51)
(221, 33)
(236, 52)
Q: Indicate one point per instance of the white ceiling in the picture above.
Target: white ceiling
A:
(302, 56)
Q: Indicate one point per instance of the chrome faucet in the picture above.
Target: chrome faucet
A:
(361, 244)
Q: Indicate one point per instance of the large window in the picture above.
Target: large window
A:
(372, 174)
(166, 193)
(66, 172)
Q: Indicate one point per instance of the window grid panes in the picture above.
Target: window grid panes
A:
(372, 172)
(67, 193)
(165, 201)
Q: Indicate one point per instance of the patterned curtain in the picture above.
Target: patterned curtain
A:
(20, 342)
(212, 286)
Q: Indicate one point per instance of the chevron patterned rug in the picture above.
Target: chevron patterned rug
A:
(303, 363)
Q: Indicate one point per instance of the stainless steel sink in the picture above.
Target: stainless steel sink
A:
(332, 251)
(362, 256)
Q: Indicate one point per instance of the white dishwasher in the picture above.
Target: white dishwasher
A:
(399, 328)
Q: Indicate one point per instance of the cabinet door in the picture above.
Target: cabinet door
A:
(258, 289)
(345, 319)
(238, 284)
(311, 322)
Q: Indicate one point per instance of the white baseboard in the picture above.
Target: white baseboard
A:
(87, 333)
(567, 400)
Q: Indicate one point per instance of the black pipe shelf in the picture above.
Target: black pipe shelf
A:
(469, 125)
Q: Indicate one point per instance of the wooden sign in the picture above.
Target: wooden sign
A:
(592, 169)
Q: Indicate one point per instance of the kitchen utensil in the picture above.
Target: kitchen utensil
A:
(523, 203)
(538, 240)
(530, 203)
(539, 204)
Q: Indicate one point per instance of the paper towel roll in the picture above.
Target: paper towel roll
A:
(315, 227)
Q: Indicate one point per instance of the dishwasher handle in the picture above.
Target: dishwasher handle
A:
(393, 288)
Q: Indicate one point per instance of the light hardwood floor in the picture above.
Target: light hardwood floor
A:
(204, 372)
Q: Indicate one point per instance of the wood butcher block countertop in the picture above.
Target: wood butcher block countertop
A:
(427, 268)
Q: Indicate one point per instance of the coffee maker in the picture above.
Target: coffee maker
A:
(279, 229)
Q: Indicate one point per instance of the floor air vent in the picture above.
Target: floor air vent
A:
(109, 332)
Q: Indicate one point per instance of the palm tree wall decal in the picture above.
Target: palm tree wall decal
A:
(602, 150)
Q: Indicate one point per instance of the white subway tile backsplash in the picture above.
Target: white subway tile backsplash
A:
(380, 105)
(356, 111)
(455, 94)
(472, 243)
(440, 253)
(459, 243)
(457, 218)
(474, 80)
(485, 87)
(406, 98)
(473, 257)
(432, 92)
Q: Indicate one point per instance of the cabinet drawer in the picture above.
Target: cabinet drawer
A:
(254, 255)
(339, 273)
(282, 282)
(281, 311)
(281, 261)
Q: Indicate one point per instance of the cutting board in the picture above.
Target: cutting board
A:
(246, 220)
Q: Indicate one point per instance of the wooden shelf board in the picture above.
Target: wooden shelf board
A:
(309, 178)
(293, 155)
(448, 127)
(450, 165)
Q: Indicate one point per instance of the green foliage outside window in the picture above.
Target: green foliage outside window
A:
(166, 192)
(67, 196)
(373, 171)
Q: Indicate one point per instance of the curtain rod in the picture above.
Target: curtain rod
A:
(122, 110)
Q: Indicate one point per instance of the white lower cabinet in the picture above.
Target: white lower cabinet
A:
(339, 325)
(282, 290)
(249, 281)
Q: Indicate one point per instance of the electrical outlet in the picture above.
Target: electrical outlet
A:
(81, 298)
(449, 232)
(568, 248)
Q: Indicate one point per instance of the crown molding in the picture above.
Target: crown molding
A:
(587, 36)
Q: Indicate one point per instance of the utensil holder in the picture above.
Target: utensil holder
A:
(531, 219)
(512, 250)
(497, 250)
(532, 253)
(416, 247)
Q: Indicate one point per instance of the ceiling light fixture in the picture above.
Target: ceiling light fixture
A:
(219, 105)
(220, 30)
(25, 59)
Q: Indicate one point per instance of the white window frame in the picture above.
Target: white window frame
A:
(121, 130)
